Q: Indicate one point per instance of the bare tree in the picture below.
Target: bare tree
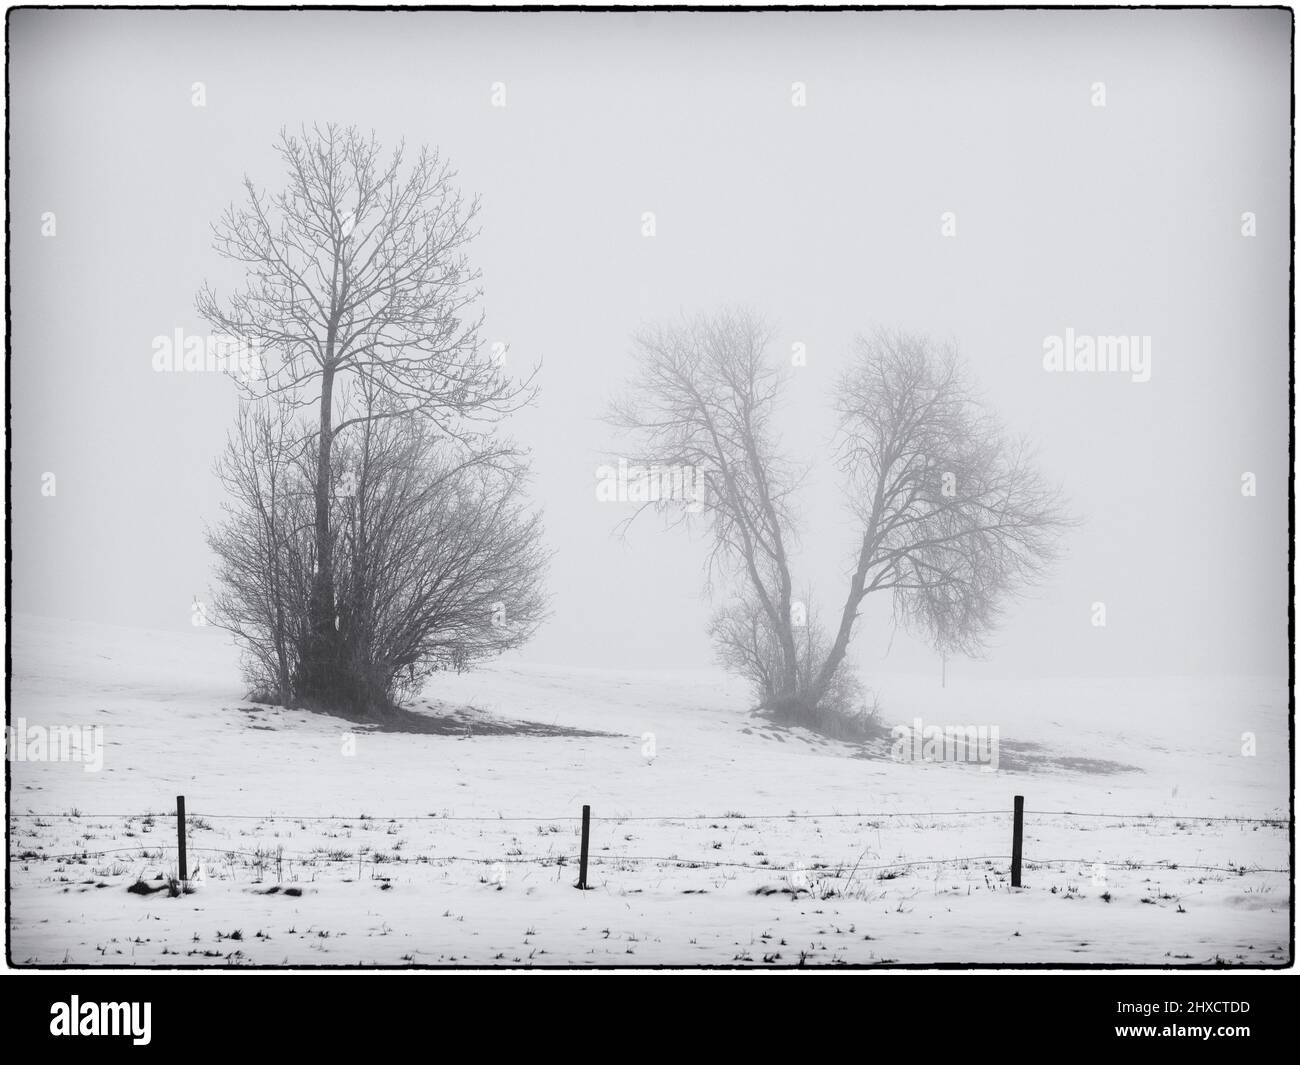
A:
(953, 516)
(706, 397)
(747, 645)
(263, 600)
(440, 562)
(357, 270)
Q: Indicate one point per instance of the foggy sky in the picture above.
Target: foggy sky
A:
(1123, 219)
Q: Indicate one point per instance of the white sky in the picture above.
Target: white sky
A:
(1123, 219)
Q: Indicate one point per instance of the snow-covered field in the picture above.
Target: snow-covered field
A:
(715, 839)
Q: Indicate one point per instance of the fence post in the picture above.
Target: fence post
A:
(180, 835)
(1017, 832)
(586, 838)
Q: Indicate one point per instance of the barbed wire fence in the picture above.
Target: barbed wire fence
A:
(197, 821)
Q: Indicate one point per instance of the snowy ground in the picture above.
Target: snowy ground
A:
(736, 843)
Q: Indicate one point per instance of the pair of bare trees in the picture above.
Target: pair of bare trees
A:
(951, 515)
(375, 530)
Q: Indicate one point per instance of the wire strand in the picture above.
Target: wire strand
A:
(694, 863)
(616, 819)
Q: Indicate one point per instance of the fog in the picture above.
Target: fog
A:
(949, 173)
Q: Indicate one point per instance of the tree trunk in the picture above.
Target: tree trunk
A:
(281, 654)
(319, 668)
(817, 689)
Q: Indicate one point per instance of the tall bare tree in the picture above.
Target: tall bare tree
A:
(953, 517)
(357, 269)
(705, 397)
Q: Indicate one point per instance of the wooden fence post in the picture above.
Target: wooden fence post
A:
(180, 835)
(586, 839)
(1017, 832)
